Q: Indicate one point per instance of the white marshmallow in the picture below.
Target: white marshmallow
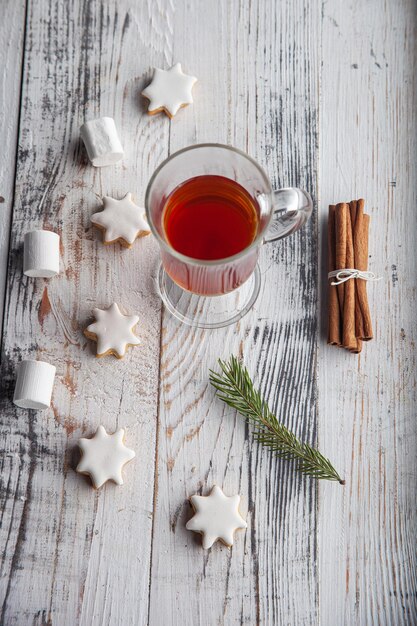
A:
(101, 141)
(34, 383)
(41, 254)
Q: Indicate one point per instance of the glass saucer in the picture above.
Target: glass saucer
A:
(208, 311)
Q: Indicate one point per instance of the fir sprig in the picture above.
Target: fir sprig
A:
(235, 387)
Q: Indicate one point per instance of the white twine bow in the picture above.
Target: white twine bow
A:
(344, 275)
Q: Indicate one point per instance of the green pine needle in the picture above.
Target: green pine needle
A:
(235, 387)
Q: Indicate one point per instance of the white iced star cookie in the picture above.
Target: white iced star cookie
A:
(112, 331)
(121, 220)
(169, 90)
(103, 457)
(216, 517)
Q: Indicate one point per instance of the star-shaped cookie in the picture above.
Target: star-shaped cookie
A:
(103, 457)
(112, 331)
(121, 220)
(216, 517)
(169, 90)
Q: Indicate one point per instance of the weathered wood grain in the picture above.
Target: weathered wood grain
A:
(258, 90)
(12, 28)
(73, 555)
(367, 533)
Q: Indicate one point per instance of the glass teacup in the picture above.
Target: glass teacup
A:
(188, 284)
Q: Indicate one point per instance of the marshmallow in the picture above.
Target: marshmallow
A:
(41, 254)
(34, 383)
(101, 141)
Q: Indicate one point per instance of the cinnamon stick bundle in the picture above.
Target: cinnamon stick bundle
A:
(349, 315)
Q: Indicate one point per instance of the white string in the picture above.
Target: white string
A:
(343, 275)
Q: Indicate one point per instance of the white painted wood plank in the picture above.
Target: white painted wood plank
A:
(73, 555)
(367, 532)
(76, 556)
(258, 70)
(12, 27)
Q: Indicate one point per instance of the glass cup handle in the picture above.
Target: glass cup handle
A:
(292, 209)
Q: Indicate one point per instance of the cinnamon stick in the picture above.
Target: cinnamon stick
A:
(334, 332)
(361, 234)
(353, 210)
(340, 248)
(349, 332)
(353, 207)
(358, 313)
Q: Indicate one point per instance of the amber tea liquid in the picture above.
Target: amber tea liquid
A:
(210, 218)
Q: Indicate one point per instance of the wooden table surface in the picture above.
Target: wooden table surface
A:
(323, 95)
